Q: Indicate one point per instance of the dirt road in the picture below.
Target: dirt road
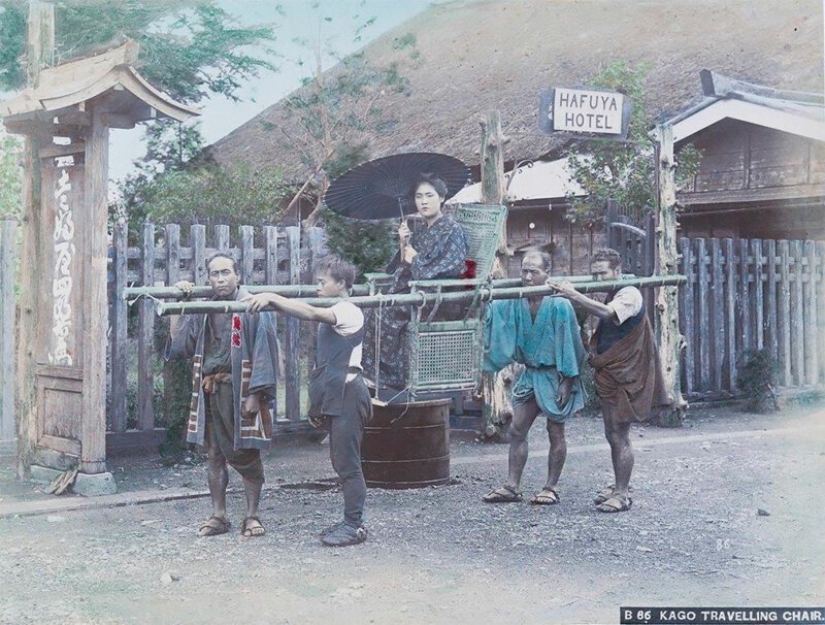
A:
(695, 537)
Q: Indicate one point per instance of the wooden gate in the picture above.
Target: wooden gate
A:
(637, 247)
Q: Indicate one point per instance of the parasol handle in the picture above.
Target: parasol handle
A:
(406, 239)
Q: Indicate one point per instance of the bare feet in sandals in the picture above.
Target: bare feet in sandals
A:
(546, 497)
(252, 527)
(616, 503)
(214, 526)
(502, 494)
(604, 494)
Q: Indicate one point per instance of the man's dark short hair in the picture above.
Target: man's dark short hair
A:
(222, 255)
(337, 268)
(611, 256)
(546, 259)
(431, 179)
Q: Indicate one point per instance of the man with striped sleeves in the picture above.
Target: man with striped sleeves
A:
(234, 379)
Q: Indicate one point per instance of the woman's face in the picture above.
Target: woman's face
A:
(428, 202)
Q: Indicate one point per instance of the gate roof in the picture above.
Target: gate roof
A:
(107, 80)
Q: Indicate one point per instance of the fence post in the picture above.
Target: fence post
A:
(8, 255)
(820, 291)
(718, 316)
(743, 298)
(146, 345)
(292, 375)
(119, 328)
(197, 234)
(247, 259)
(270, 255)
(316, 242)
(772, 343)
(785, 311)
(798, 336)
(811, 314)
(172, 268)
(612, 214)
(222, 238)
(687, 315)
(730, 313)
(758, 295)
(703, 311)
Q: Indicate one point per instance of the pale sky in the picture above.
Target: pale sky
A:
(300, 20)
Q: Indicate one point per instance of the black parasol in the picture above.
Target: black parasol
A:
(381, 189)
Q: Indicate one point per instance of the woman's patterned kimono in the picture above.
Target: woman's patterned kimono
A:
(442, 251)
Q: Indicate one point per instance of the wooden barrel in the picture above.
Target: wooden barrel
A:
(407, 445)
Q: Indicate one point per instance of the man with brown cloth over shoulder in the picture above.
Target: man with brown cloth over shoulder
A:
(629, 378)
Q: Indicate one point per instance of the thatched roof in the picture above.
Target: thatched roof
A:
(500, 54)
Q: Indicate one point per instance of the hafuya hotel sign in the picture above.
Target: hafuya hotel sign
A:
(584, 111)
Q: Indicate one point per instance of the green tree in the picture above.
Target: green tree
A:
(367, 244)
(211, 195)
(190, 49)
(169, 147)
(621, 170)
(339, 108)
(11, 177)
(12, 44)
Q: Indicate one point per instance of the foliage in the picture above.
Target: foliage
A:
(174, 415)
(757, 379)
(190, 49)
(211, 195)
(11, 177)
(170, 145)
(169, 185)
(339, 108)
(12, 44)
(367, 244)
(622, 170)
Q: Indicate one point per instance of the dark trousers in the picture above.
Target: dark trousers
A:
(346, 431)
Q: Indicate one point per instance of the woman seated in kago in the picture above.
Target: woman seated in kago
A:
(435, 251)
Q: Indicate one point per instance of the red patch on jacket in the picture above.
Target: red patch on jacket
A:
(237, 326)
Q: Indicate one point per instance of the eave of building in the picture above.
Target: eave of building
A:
(701, 201)
(806, 122)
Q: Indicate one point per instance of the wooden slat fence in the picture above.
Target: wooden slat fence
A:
(270, 255)
(741, 294)
(750, 294)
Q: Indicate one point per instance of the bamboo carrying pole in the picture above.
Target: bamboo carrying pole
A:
(482, 293)
(299, 290)
(171, 292)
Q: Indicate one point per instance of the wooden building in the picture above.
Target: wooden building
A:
(762, 168)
